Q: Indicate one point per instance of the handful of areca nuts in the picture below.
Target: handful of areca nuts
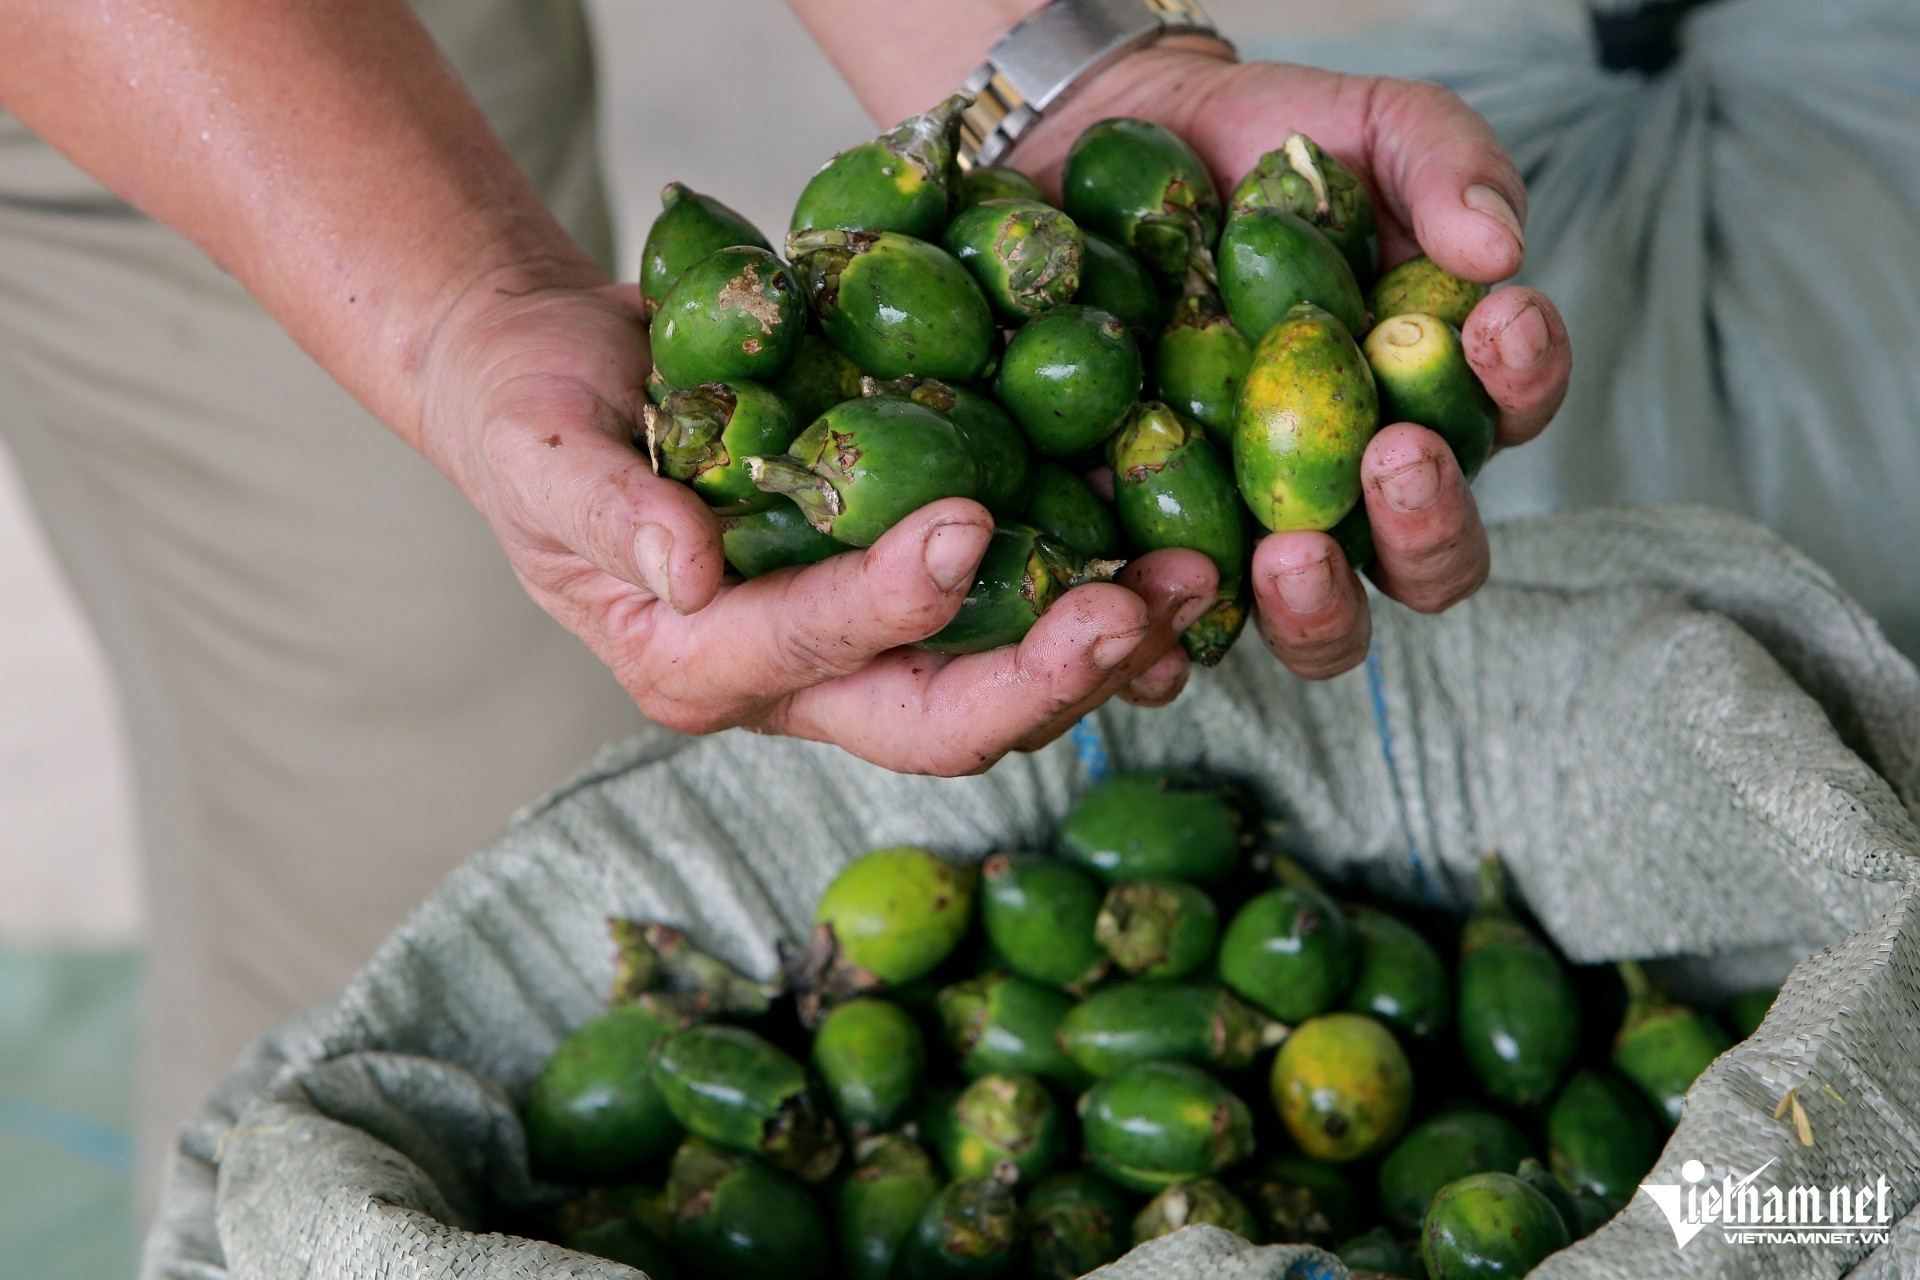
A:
(935, 333)
(1022, 1068)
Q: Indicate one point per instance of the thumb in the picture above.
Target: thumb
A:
(1448, 178)
(574, 486)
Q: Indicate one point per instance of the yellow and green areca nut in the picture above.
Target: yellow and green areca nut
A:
(1424, 286)
(1003, 1123)
(1422, 375)
(1305, 415)
(898, 182)
(1489, 1224)
(1343, 1086)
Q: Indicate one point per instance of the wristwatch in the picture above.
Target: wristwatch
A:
(1039, 62)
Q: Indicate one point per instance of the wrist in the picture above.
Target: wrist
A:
(1168, 82)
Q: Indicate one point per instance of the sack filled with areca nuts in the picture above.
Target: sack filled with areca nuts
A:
(1571, 936)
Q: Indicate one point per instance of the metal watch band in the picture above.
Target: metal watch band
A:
(1037, 63)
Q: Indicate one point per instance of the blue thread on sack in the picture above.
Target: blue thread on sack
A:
(70, 1132)
(1091, 750)
(1377, 687)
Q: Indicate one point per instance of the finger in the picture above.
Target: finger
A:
(574, 476)
(1517, 344)
(1430, 549)
(1162, 682)
(918, 712)
(1177, 586)
(1444, 175)
(1310, 608)
(924, 713)
(796, 628)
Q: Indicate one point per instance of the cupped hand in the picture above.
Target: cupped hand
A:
(1441, 185)
(532, 398)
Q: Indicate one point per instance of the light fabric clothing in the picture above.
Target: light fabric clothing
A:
(333, 685)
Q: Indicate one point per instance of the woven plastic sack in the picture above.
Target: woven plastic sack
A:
(1683, 739)
(1733, 240)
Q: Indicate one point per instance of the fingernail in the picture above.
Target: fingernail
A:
(1189, 613)
(1307, 589)
(951, 551)
(1111, 651)
(1413, 487)
(652, 549)
(1525, 341)
(1484, 199)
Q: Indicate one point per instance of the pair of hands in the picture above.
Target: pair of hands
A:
(531, 401)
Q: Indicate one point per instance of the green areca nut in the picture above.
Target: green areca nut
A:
(1153, 824)
(1489, 1224)
(1021, 575)
(733, 1087)
(1290, 952)
(1204, 1201)
(1443, 1149)
(1133, 1022)
(1061, 505)
(702, 436)
(1517, 1011)
(970, 1231)
(892, 1182)
(690, 227)
(1398, 976)
(1004, 1125)
(1077, 1221)
(1000, 1022)
(1067, 378)
(1039, 913)
(1173, 488)
(1663, 1046)
(986, 182)
(895, 305)
(819, 378)
(1157, 928)
(1270, 262)
(737, 313)
(1139, 184)
(1025, 255)
(1154, 1124)
(872, 1058)
(777, 538)
(1310, 184)
(1114, 281)
(1000, 454)
(594, 1112)
(865, 465)
(738, 1218)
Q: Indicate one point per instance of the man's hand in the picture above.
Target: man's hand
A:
(1441, 185)
(532, 399)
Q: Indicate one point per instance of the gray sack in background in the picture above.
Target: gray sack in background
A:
(1735, 243)
(1684, 740)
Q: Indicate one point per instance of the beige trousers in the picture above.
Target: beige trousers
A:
(333, 685)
